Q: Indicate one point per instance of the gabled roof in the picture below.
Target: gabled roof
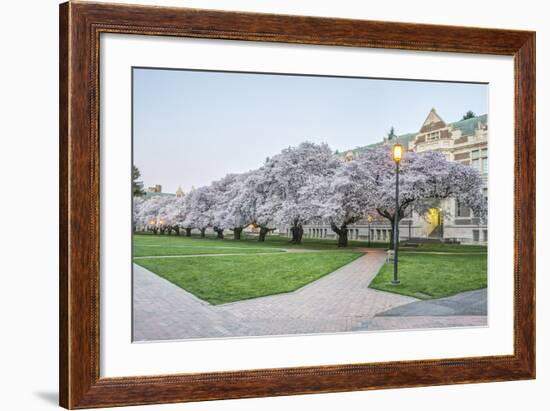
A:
(432, 122)
(432, 117)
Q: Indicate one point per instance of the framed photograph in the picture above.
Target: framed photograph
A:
(257, 205)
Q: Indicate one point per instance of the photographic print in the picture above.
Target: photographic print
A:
(284, 204)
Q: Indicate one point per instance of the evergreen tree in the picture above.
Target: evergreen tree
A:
(137, 186)
(469, 114)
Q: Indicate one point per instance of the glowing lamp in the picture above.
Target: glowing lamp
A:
(397, 152)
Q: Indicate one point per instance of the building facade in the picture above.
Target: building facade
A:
(464, 141)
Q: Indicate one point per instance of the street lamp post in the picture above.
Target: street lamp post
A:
(397, 153)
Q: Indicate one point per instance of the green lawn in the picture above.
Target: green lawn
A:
(221, 279)
(142, 243)
(158, 245)
(225, 279)
(187, 249)
(428, 276)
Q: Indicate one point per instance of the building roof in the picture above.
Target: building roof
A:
(403, 139)
(467, 127)
(433, 121)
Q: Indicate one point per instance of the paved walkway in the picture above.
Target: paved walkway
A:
(464, 309)
(468, 303)
(340, 301)
(420, 322)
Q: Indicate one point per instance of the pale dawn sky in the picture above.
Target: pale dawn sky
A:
(193, 127)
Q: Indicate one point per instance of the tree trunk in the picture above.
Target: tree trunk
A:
(391, 234)
(391, 219)
(342, 232)
(297, 233)
(176, 229)
(219, 232)
(188, 232)
(237, 233)
(263, 233)
(162, 230)
(202, 232)
(155, 230)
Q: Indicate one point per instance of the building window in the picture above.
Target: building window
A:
(476, 236)
(432, 136)
(461, 210)
(485, 235)
(378, 236)
(480, 160)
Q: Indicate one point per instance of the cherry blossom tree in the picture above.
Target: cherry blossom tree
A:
(253, 203)
(425, 180)
(287, 181)
(222, 191)
(199, 204)
(343, 198)
(309, 183)
(236, 215)
(170, 215)
(148, 213)
(136, 207)
(184, 212)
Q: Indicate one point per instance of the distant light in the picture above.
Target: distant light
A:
(397, 152)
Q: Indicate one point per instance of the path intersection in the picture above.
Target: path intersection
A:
(338, 302)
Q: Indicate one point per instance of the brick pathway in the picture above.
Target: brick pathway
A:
(340, 301)
(419, 322)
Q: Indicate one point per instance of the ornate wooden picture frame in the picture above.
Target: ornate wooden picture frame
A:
(81, 25)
